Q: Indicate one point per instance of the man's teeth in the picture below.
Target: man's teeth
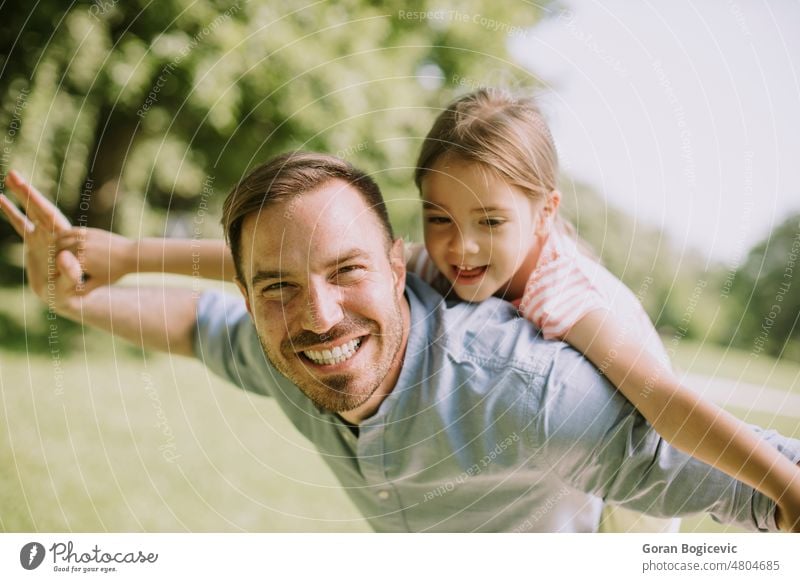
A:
(337, 355)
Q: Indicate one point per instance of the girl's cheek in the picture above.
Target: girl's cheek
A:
(434, 242)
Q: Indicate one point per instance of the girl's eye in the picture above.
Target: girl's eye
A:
(493, 222)
(437, 220)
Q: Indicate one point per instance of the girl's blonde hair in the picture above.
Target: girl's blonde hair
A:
(506, 134)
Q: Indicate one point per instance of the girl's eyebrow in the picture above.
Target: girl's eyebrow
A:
(432, 206)
(428, 205)
(488, 209)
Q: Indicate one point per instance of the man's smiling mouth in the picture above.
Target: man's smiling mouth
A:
(335, 355)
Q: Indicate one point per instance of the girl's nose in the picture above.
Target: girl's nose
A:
(463, 244)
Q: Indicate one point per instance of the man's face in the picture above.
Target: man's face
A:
(326, 299)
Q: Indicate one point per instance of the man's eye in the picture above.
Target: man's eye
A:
(275, 289)
(349, 274)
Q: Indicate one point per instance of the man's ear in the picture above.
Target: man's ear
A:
(548, 212)
(243, 291)
(397, 262)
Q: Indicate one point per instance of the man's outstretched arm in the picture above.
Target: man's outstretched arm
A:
(151, 317)
(154, 318)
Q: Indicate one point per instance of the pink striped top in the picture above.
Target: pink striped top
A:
(565, 286)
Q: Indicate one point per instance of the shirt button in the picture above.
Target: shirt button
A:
(383, 495)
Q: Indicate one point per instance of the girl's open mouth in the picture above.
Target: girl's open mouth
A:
(469, 275)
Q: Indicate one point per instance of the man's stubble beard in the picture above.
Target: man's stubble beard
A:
(335, 393)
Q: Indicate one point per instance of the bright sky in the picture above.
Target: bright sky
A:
(687, 114)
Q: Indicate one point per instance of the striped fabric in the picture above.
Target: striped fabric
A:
(566, 285)
(419, 262)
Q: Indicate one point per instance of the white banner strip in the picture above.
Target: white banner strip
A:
(333, 557)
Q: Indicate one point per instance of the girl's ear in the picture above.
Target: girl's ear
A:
(548, 212)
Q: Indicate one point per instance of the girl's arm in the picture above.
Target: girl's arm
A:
(687, 421)
(105, 257)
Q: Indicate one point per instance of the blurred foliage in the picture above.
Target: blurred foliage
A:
(133, 110)
(754, 307)
(765, 295)
(139, 116)
(669, 283)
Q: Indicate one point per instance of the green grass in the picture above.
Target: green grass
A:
(117, 440)
(153, 444)
(758, 369)
(110, 439)
(750, 367)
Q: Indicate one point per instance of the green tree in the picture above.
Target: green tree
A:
(766, 295)
(138, 105)
(675, 287)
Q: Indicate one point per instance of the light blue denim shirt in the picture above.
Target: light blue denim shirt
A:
(489, 428)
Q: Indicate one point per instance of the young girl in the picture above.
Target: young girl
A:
(487, 173)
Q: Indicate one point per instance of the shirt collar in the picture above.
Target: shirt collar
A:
(422, 304)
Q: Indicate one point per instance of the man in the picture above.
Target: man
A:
(434, 417)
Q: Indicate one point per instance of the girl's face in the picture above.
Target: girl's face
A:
(482, 233)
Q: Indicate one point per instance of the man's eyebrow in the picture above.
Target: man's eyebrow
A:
(264, 275)
(354, 253)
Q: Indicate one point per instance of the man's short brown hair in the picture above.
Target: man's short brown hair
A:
(288, 176)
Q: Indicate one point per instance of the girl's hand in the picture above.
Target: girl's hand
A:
(104, 256)
(788, 514)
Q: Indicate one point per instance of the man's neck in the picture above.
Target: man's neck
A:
(370, 407)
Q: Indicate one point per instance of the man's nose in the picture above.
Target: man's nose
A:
(324, 309)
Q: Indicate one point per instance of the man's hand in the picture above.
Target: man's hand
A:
(104, 257)
(153, 318)
(55, 276)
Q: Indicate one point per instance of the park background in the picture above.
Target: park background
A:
(677, 128)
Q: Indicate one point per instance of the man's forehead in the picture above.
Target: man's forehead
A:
(332, 201)
(329, 222)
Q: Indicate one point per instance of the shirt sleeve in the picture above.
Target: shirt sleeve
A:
(560, 294)
(226, 342)
(596, 441)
